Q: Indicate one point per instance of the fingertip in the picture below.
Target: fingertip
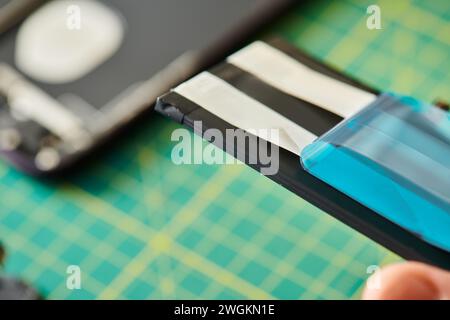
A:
(406, 281)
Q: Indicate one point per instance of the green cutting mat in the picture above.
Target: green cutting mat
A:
(140, 227)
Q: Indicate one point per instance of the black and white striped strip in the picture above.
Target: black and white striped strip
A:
(278, 96)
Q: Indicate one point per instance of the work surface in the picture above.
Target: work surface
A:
(139, 226)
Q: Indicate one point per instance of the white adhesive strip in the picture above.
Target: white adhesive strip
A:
(242, 111)
(290, 76)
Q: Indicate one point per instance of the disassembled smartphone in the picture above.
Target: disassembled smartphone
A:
(72, 72)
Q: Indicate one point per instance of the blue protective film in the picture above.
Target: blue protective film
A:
(393, 157)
